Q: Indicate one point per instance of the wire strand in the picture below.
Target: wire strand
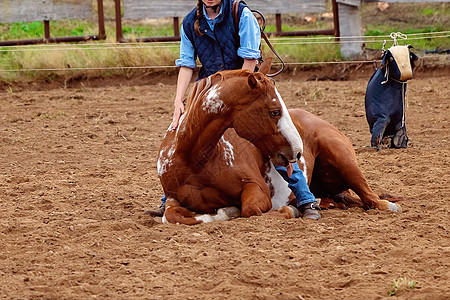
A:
(172, 67)
(275, 41)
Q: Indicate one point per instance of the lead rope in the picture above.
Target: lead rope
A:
(235, 9)
(404, 99)
(405, 103)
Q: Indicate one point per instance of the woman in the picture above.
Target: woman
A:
(208, 33)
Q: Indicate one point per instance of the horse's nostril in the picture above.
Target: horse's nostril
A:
(299, 155)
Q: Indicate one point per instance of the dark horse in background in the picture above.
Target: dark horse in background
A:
(219, 162)
(385, 97)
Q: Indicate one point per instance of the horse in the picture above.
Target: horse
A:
(236, 127)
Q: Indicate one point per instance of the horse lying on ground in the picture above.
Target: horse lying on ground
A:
(221, 156)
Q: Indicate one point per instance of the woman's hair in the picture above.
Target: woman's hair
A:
(199, 15)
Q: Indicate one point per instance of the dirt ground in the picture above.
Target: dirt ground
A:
(78, 170)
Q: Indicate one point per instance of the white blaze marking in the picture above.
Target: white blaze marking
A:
(212, 103)
(281, 190)
(287, 128)
(228, 152)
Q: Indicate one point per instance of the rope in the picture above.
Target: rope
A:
(156, 44)
(172, 67)
(92, 68)
(275, 41)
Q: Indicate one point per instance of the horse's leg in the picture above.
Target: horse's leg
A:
(391, 198)
(328, 203)
(342, 157)
(254, 200)
(284, 212)
(358, 183)
(348, 200)
(175, 213)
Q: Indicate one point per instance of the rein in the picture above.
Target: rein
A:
(235, 10)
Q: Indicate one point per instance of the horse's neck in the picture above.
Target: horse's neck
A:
(199, 133)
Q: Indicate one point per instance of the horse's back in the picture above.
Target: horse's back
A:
(314, 129)
(326, 151)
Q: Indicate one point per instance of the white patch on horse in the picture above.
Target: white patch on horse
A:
(228, 152)
(287, 128)
(164, 160)
(223, 214)
(303, 161)
(212, 103)
(281, 190)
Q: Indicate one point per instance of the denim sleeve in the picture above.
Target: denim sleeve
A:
(187, 53)
(297, 183)
(250, 36)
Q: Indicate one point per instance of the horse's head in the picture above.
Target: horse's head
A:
(260, 116)
(400, 62)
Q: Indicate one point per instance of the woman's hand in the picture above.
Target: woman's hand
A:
(177, 112)
(184, 77)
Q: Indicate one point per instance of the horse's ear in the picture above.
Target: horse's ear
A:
(252, 81)
(265, 66)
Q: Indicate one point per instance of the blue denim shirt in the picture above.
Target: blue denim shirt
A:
(250, 39)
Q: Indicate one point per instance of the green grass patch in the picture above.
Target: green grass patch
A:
(401, 284)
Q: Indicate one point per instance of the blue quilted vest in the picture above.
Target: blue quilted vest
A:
(216, 50)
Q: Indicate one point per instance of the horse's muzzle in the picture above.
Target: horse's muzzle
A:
(284, 160)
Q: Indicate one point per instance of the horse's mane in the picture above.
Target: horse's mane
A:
(201, 88)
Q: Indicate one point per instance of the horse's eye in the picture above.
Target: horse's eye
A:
(275, 113)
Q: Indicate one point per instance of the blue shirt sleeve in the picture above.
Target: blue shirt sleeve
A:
(250, 36)
(187, 53)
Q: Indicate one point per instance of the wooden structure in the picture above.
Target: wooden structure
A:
(137, 9)
(350, 24)
(46, 10)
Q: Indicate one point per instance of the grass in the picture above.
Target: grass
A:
(401, 284)
(104, 58)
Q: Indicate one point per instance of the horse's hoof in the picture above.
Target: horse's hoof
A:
(394, 207)
(231, 212)
(294, 211)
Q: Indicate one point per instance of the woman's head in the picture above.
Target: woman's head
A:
(213, 4)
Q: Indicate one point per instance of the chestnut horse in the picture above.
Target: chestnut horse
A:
(221, 156)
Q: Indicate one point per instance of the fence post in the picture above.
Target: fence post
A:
(101, 20)
(350, 25)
